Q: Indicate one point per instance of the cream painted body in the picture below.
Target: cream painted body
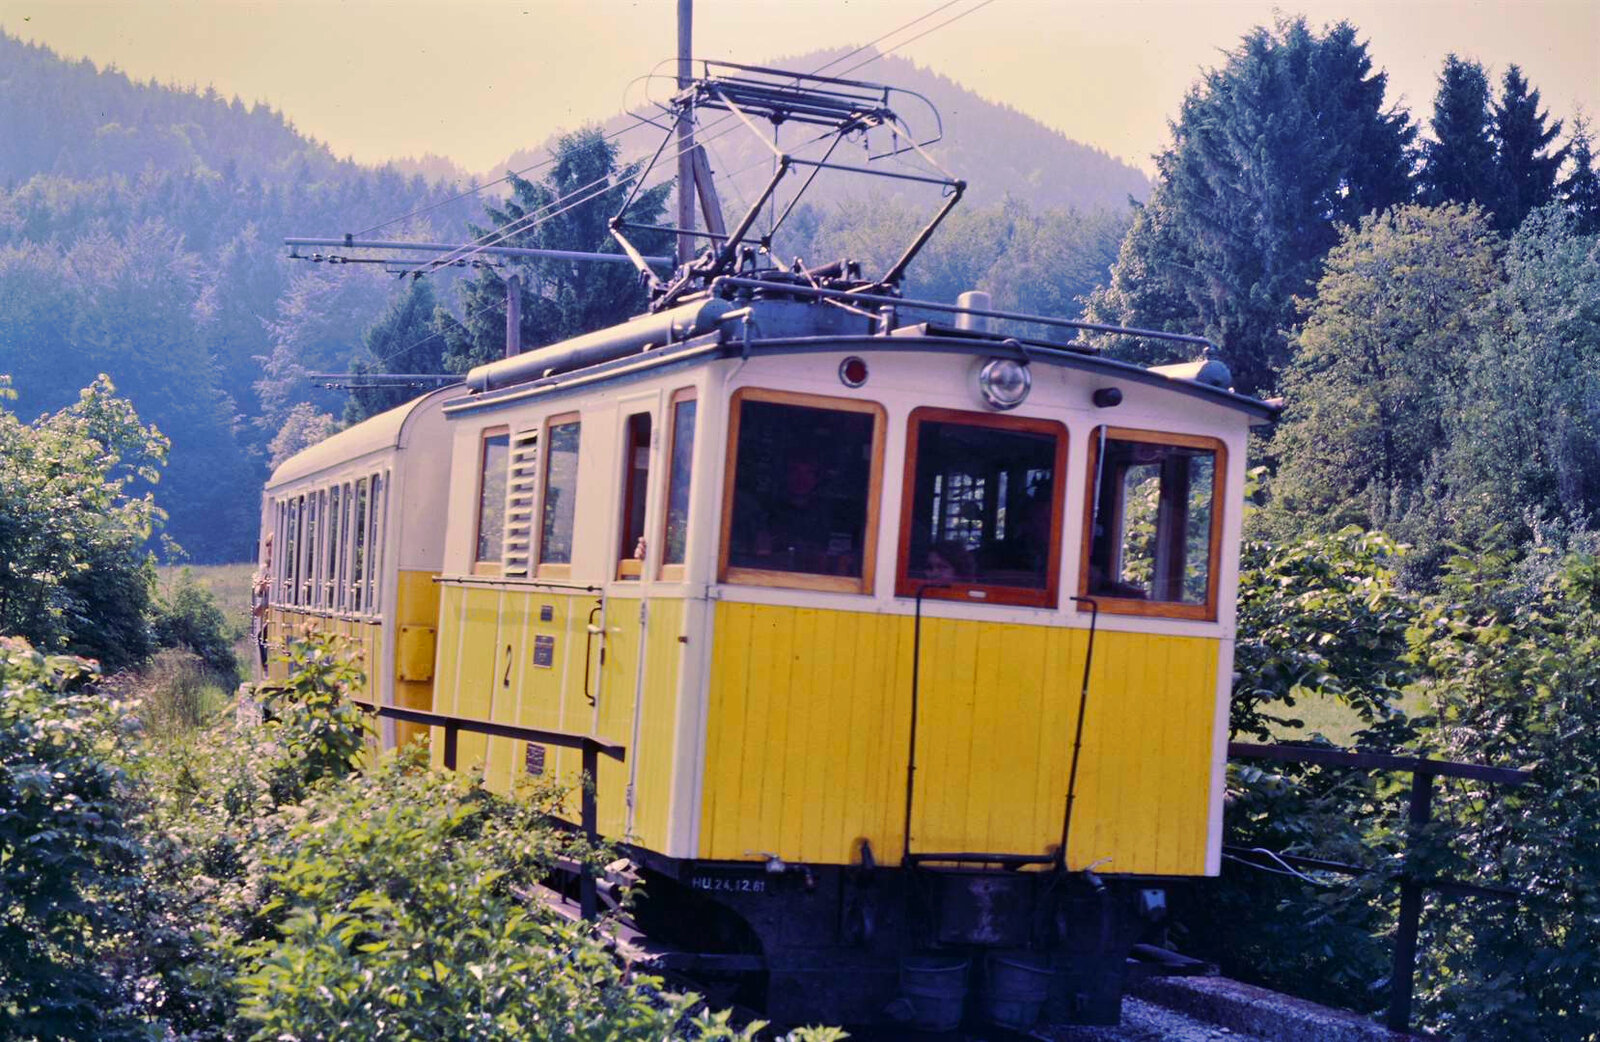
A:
(671, 706)
(407, 447)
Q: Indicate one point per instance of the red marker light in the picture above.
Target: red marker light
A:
(853, 372)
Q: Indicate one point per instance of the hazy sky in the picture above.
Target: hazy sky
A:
(476, 79)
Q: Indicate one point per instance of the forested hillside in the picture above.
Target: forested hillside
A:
(1003, 154)
(141, 232)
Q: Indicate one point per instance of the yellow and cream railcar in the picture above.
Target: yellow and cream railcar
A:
(356, 526)
(839, 586)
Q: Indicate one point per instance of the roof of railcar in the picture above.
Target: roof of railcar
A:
(920, 337)
(373, 434)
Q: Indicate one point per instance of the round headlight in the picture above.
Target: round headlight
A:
(1004, 382)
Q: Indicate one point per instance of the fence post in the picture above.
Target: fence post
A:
(1402, 972)
(450, 733)
(587, 900)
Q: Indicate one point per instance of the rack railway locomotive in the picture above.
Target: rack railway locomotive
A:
(918, 636)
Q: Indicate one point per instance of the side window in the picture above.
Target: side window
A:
(1156, 526)
(330, 577)
(308, 563)
(560, 496)
(981, 517)
(343, 587)
(286, 552)
(494, 455)
(635, 493)
(358, 550)
(375, 540)
(802, 501)
(680, 466)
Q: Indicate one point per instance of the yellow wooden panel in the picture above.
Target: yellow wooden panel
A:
(502, 756)
(654, 756)
(808, 724)
(447, 673)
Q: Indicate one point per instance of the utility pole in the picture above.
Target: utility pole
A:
(513, 315)
(685, 134)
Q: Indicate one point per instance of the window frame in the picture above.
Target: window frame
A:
(676, 572)
(543, 569)
(987, 593)
(1206, 612)
(727, 573)
(379, 522)
(495, 565)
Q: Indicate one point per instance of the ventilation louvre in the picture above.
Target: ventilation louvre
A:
(521, 483)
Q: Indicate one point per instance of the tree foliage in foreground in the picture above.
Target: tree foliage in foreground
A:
(75, 516)
(1508, 658)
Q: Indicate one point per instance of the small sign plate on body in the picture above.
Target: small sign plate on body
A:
(730, 881)
(544, 651)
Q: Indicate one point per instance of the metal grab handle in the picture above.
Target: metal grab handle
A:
(507, 681)
(588, 651)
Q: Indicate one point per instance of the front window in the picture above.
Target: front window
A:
(803, 500)
(1156, 527)
(982, 513)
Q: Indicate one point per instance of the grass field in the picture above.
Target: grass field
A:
(1333, 719)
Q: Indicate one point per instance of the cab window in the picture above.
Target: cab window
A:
(981, 518)
(560, 497)
(802, 504)
(1155, 523)
(680, 469)
(635, 492)
(494, 456)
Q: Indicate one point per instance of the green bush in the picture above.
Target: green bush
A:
(70, 854)
(186, 615)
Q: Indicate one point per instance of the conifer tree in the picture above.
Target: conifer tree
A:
(1528, 168)
(569, 209)
(402, 340)
(1459, 164)
(1272, 154)
(1579, 191)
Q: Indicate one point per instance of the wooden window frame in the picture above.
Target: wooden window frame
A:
(497, 565)
(629, 567)
(676, 572)
(727, 573)
(1206, 612)
(984, 593)
(554, 569)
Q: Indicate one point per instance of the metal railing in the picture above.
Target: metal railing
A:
(590, 747)
(1419, 811)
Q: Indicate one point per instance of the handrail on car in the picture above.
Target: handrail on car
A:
(823, 293)
(592, 748)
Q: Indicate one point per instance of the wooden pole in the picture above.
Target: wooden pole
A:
(589, 819)
(513, 315)
(1403, 971)
(685, 133)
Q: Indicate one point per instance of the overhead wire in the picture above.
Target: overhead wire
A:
(544, 213)
(642, 121)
